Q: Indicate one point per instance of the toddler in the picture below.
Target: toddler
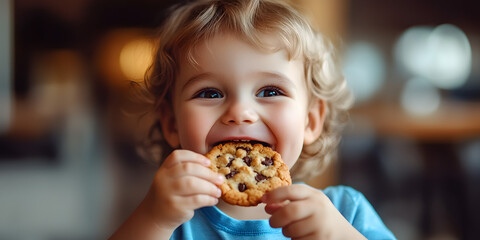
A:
(247, 70)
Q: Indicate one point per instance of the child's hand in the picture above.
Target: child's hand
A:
(307, 213)
(182, 184)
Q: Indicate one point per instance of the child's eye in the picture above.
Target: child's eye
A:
(270, 92)
(208, 93)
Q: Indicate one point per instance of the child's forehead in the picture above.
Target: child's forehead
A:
(230, 55)
(262, 42)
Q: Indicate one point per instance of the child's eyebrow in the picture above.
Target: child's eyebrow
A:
(197, 77)
(278, 77)
(274, 75)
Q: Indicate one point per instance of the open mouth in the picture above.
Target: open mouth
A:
(253, 142)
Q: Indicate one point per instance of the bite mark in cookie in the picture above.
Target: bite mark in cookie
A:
(250, 171)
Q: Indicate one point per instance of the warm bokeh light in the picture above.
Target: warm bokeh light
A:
(124, 55)
(135, 58)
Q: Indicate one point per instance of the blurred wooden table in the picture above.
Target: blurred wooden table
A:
(437, 136)
(453, 121)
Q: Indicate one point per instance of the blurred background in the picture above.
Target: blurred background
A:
(69, 168)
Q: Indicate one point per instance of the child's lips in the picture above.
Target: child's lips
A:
(245, 140)
(252, 133)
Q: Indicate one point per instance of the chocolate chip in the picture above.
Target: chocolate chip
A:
(247, 160)
(260, 177)
(231, 174)
(230, 161)
(245, 148)
(267, 162)
(242, 187)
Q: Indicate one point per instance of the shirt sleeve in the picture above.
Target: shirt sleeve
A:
(359, 212)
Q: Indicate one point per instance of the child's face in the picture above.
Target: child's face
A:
(239, 92)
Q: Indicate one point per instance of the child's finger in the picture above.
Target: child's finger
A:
(189, 186)
(292, 212)
(301, 228)
(195, 170)
(308, 237)
(180, 155)
(293, 193)
(199, 201)
(273, 207)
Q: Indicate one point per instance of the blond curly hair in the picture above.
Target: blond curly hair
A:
(195, 22)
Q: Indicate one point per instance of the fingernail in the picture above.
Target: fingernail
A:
(207, 162)
(219, 192)
(220, 179)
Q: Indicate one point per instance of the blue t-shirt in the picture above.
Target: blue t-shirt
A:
(211, 223)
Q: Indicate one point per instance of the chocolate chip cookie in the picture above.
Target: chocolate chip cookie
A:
(250, 171)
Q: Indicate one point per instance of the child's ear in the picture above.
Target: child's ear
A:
(315, 120)
(169, 125)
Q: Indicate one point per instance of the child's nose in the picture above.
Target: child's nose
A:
(240, 113)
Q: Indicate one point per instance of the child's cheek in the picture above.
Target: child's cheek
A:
(194, 125)
(288, 124)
